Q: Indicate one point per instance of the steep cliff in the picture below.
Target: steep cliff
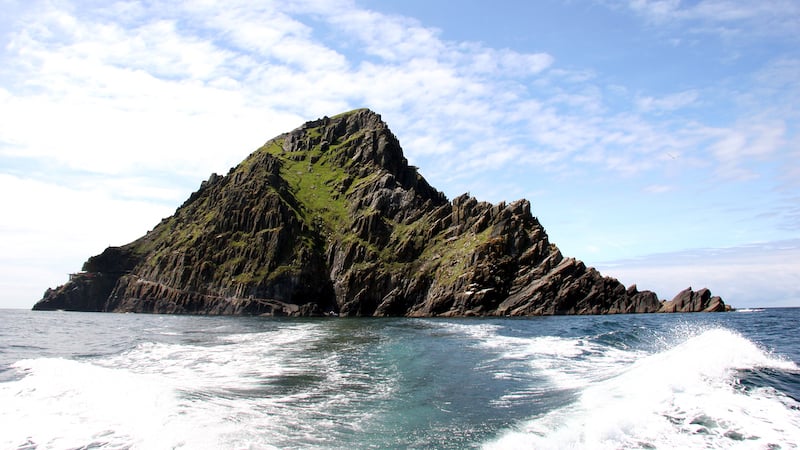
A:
(331, 219)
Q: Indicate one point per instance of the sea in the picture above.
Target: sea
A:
(73, 380)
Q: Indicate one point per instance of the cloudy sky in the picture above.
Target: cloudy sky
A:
(656, 139)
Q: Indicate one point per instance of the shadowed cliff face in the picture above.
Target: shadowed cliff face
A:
(330, 218)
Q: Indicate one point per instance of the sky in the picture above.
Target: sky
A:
(657, 140)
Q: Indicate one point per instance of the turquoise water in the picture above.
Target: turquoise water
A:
(120, 381)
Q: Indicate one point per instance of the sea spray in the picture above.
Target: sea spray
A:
(684, 397)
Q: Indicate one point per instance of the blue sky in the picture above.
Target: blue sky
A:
(656, 139)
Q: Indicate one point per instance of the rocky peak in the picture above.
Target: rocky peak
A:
(331, 218)
(370, 143)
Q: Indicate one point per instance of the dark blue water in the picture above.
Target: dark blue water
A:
(82, 380)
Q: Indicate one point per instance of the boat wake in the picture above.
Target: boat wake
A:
(581, 383)
(254, 390)
(691, 395)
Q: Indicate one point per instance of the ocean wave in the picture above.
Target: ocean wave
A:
(62, 403)
(642, 381)
(564, 362)
(686, 396)
(257, 390)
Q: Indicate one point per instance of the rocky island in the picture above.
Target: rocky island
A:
(330, 219)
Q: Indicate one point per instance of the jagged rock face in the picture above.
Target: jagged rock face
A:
(330, 218)
(691, 301)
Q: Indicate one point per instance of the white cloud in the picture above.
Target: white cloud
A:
(758, 275)
(48, 230)
(669, 102)
(33, 209)
(763, 17)
(112, 99)
(124, 89)
(658, 188)
(735, 147)
(391, 38)
(505, 62)
(657, 9)
(241, 66)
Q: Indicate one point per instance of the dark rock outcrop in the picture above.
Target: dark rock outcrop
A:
(331, 219)
(90, 289)
(690, 301)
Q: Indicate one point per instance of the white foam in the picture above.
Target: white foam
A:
(685, 397)
(568, 363)
(189, 396)
(474, 330)
(68, 404)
